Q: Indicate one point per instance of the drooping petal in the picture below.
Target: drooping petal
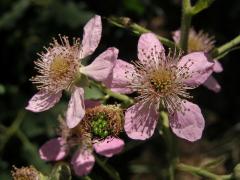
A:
(150, 49)
(43, 101)
(198, 67)
(212, 84)
(122, 76)
(53, 150)
(91, 36)
(76, 108)
(102, 66)
(141, 120)
(176, 36)
(109, 146)
(189, 125)
(217, 68)
(83, 162)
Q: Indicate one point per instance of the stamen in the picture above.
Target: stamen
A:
(58, 66)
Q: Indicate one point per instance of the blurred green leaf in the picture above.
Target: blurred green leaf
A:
(201, 5)
(17, 11)
(2, 89)
(134, 5)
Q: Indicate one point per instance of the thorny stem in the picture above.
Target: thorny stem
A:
(185, 24)
(126, 23)
(10, 131)
(226, 47)
(201, 172)
(111, 172)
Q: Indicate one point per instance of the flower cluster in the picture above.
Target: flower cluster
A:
(98, 131)
(161, 81)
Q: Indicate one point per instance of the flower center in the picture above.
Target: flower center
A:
(162, 81)
(100, 126)
(59, 68)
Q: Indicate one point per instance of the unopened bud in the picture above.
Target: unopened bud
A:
(26, 173)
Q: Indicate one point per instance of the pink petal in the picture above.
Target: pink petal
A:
(189, 125)
(122, 76)
(83, 162)
(43, 101)
(212, 84)
(76, 108)
(109, 146)
(149, 49)
(176, 36)
(217, 67)
(141, 120)
(101, 68)
(198, 67)
(91, 36)
(53, 150)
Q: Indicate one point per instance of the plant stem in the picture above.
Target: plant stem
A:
(201, 172)
(170, 143)
(127, 100)
(124, 22)
(185, 24)
(10, 131)
(111, 172)
(226, 47)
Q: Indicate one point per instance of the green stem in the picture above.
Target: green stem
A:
(201, 172)
(111, 172)
(10, 131)
(171, 145)
(127, 100)
(124, 22)
(185, 24)
(226, 47)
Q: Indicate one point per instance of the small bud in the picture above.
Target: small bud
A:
(25, 173)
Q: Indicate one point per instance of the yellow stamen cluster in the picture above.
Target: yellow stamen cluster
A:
(58, 66)
(158, 78)
(200, 41)
(25, 173)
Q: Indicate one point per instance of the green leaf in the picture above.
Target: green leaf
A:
(61, 171)
(201, 5)
(93, 92)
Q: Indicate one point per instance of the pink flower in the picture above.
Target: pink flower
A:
(97, 131)
(202, 42)
(83, 159)
(60, 69)
(162, 83)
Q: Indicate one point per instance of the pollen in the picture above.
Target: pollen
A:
(162, 81)
(58, 66)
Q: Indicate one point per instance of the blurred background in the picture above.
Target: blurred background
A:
(28, 25)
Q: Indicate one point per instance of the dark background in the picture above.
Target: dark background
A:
(28, 25)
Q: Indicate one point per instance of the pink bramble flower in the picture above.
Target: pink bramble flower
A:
(162, 83)
(202, 42)
(97, 132)
(60, 69)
